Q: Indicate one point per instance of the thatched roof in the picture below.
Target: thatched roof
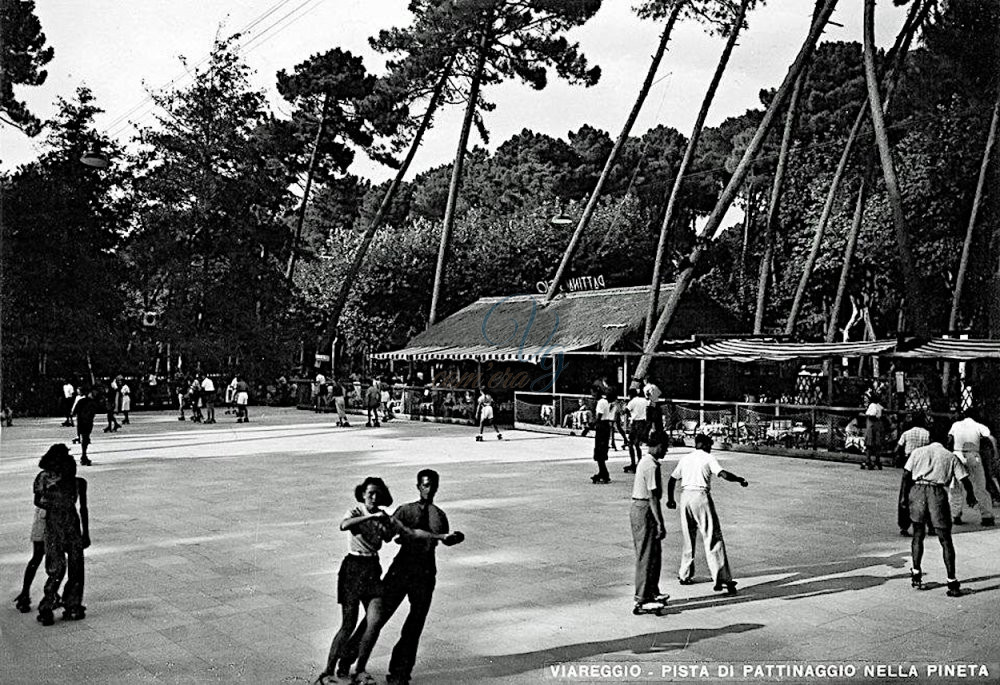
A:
(518, 327)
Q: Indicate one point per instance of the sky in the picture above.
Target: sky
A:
(121, 49)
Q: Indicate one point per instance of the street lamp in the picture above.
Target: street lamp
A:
(95, 158)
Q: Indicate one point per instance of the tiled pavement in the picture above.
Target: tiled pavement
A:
(216, 551)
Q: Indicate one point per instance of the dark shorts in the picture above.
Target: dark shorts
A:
(930, 502)
(84, 429)
(209, 397)
(638, 431)
(359, 580)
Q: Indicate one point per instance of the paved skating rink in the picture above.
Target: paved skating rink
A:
(216, 549)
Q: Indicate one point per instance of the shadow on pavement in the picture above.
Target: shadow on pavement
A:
(472, 670)
(804, 582)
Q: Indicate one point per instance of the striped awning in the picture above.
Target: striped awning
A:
(530, 354)
(954, 350)
(752, 350)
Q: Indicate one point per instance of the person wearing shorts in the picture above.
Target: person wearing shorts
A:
(926, 476)
(359, 579)
(208, 396)
(485, 409)
(85, 412)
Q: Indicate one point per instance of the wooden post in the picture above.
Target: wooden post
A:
(701, 393)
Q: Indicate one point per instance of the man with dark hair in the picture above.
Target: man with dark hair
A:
(926, 476)
(648, 531)
(602, 436)
(85, 412)
(412, 576)
(695, 470)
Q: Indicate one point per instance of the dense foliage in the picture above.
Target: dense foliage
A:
(197, 225)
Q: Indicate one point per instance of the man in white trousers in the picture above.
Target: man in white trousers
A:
(695, 471)
(964, 440)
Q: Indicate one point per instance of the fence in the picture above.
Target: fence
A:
(794, 426)
(418, 403)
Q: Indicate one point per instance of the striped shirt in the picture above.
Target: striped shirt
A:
(914, 438)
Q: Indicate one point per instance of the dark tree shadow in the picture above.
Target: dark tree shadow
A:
(473, 669)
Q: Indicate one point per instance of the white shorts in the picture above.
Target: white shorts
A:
(126, 403)
(242, 398)
(486, 414)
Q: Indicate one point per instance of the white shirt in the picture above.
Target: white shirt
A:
(68, 390)
(875, 409)
(320, 379)
(603, 410)
(207, 385)
(967, 433)
(647, 478)
(637, 407)
(695, 470)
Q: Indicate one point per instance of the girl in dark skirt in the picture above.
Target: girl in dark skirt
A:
(359, 579)
(66, 533)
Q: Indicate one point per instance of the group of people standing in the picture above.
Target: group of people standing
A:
(198, 393)
(418, 527)
(82, 404)
(633, 420)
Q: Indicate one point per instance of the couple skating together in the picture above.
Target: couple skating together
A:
(419, 526)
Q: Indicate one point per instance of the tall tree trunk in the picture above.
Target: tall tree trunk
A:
(675, 191)
(845, 267)
(899, 50)
(333, 322)
(963, 263)
(300, 218)
(732, 188)
(771, 227)
(914, 301)
(595, 195)
(748, 218)
(456, 177)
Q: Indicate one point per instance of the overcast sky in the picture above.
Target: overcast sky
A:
(119, 48)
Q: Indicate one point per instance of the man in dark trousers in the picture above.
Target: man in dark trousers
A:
(412, 575)
(85, 412)
(602, 438)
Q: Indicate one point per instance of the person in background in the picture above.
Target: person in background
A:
(110, 403)
(242, 398)
(638, 427)
(336, 393)
(85, 412)
(618, 419)
(873, 434)
(373, 397)
(67, 403)
(231, 396)
(319, 392)
(654, 415)
(180, 389)
(385, 398)
(208, 396)
(602, 434)
(126, 401)
(194, 393)
(484, 408)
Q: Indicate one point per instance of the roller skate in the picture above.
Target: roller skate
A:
(75, 613)
(916, 580)
(22, 603)
(954, 589)
(651, 607)
(45, 617)
(499, 436)
(479, 438)
(729, 587)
